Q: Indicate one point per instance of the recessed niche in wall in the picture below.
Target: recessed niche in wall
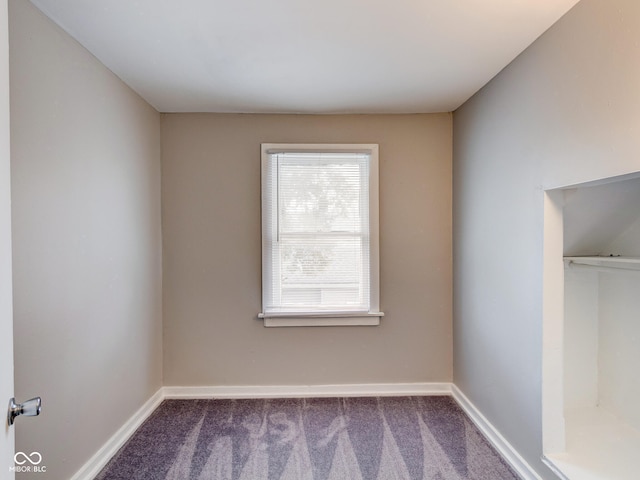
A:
(600, 346)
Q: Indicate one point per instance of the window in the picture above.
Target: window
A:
(320, 235)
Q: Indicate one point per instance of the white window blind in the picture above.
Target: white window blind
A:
(317, 230)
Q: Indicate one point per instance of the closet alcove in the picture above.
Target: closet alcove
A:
(600, 344)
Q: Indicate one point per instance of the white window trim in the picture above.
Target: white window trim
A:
(305, 319)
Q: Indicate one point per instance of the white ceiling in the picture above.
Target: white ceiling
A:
(327, 56)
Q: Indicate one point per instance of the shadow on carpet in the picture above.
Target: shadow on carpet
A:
(384, 438)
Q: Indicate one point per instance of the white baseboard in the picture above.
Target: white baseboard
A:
(554, 468)
(500, 443)
(298, 391)
(96, 463)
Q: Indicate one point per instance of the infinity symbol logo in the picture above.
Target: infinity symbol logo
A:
(27, 458)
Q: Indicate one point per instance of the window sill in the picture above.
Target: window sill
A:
(344, 319)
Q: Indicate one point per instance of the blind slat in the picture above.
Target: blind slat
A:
(316, 232)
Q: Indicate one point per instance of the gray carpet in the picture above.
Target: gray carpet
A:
(412, 438)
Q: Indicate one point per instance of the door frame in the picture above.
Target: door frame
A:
(7, 434)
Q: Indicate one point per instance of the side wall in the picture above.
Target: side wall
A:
(619, 382)
(212, 255)
(87, 244)
(566, 111)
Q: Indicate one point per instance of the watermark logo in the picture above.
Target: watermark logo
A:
(21, 458)
(28, 463)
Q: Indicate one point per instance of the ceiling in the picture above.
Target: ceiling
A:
(302, 56)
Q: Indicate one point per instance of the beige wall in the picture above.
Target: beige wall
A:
(566, 111)
(87, 244)
(212, 264)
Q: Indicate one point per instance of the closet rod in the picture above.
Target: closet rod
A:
(601, 268)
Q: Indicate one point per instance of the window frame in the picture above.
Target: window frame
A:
(334, 318)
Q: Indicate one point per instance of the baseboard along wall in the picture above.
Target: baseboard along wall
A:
(299, 391)
(508, 452)
(97, 462)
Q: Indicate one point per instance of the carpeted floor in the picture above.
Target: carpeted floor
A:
(412, 438)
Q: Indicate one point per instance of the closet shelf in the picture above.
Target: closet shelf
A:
(605, 263)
